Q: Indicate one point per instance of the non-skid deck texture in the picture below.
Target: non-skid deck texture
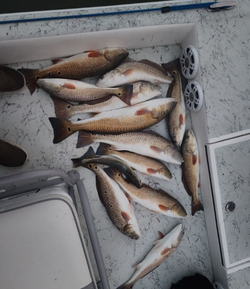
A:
(24, 119)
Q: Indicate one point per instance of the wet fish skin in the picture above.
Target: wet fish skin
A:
(133, 118)
(90, 157)
(177, 117)
(119, 208)
(142, 91)
(79, 91)
(132, 71)
(87, 64)
(162, 249)
(145, 165)
(149, 144)
(157, 201)
(190, 169)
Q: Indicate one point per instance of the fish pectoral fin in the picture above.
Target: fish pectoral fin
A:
(181, 119)
(156, 149)
(195, 159)
(128, 72)
(163, 208)
(151, 171)
(142, 111)
(160, 234)
(94, 53)
(165, 251)
(125, 216)
(68, 85)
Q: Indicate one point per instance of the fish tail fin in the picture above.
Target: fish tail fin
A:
(103, 149)
(90, 153)
(126, 286)
(30, 77)
(63, 109)
(62, 129)
(196, 206)
(171, 66)
(125, 93)
(84, 139)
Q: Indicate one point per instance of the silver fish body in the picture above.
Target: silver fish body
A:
(162, 249)
(145, 143)
(142, 91)
(132, 71)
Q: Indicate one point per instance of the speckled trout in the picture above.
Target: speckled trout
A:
(162, 249)
(156, 201)
(87, 64)
(132, 118)
(148, 144)
(119, 208)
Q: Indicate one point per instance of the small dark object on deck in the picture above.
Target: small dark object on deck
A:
(197, 281)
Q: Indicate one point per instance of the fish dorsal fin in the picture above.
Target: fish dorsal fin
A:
(156, 242)
(170, 89)
(128, 59)
(136, 266)
(146, 186)
(89, 154)
(172, 66)
(55, 61)
(151, 132)
(154, 65)
(99, 191)
(160, 234)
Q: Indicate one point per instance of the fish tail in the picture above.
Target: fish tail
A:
(62, 129)
(126, 286)
(196, 206)
(30, 77)
(103, 149)
(125, 94)
(63, 109)
(77, 162)
(172, 65)
(84, 139)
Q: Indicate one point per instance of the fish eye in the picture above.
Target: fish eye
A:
(119, 175)
(90, 166)
(119, 94)
(96, 167)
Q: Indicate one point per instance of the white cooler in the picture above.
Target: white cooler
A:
(41, 242)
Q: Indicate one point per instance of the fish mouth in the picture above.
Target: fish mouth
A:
(130, 232)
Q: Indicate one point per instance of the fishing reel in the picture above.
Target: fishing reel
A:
(193, 96)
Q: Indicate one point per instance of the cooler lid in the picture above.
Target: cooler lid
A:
(41, 245)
